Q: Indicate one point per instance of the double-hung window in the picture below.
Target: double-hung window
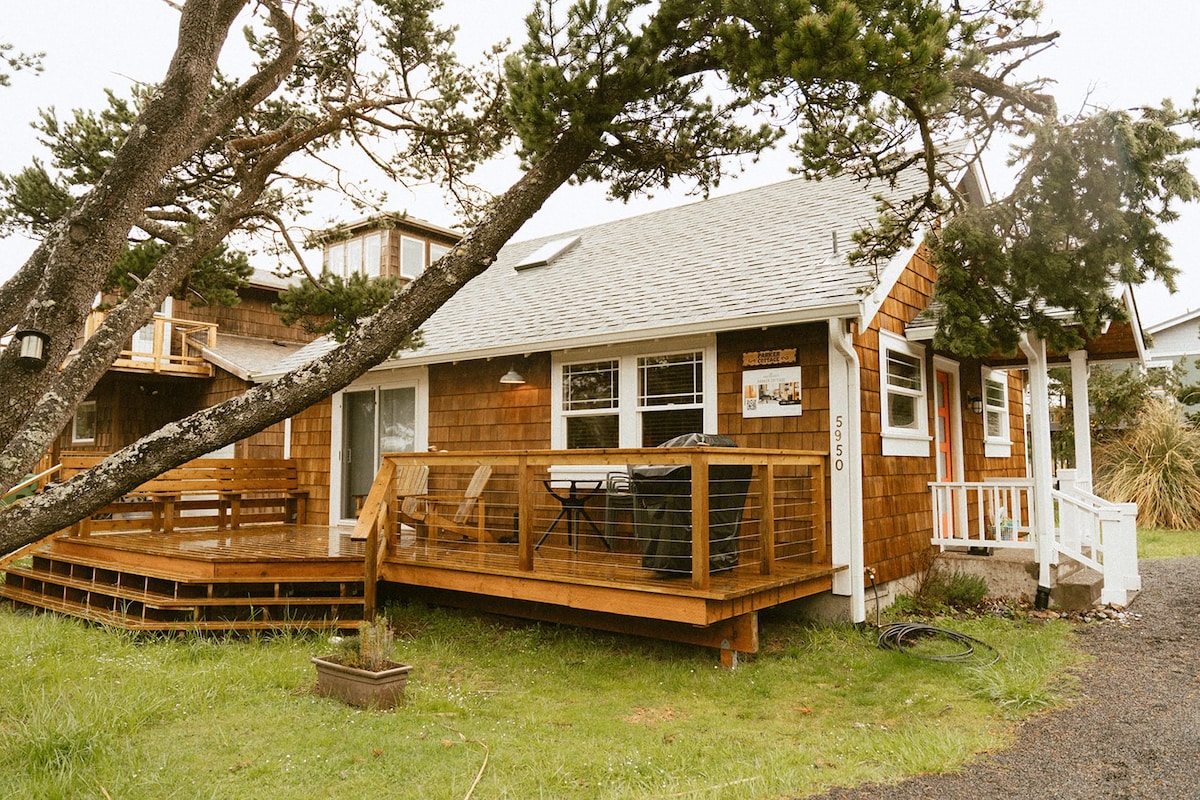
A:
(670, 396)
(905, 408)
(591, 404)
(997, 442)
(631, 399)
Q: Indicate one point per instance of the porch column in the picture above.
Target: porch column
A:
(1041, 460)
(845, 467)
(1082, 418)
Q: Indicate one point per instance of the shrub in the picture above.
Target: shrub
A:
(1154, 465)
(937, 589)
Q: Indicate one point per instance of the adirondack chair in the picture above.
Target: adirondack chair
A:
(430, 511)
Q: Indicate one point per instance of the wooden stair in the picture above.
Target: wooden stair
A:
(149, 598)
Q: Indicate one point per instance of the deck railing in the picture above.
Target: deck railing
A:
(983, 514)
(670, 510)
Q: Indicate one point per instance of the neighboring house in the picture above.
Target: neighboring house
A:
(192, 356)
(1177, 340)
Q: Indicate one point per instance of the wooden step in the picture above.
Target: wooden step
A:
(140, 602)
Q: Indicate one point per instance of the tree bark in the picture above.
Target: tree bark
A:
(266, 404)
(77, 252)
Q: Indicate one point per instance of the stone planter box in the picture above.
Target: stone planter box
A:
(361, 687)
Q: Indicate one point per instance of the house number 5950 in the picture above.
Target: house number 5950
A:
(839, 449)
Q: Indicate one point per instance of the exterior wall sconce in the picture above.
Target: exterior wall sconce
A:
(33, 345)
(975, 403)
(512, 377)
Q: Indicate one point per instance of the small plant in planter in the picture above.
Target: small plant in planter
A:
(361, 672)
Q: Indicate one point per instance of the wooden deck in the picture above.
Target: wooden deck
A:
(519, 554)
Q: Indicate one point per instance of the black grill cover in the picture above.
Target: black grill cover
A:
(662, 511)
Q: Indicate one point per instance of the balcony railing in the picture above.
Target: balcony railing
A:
(166, 345)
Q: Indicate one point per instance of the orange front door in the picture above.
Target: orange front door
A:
(943, 437)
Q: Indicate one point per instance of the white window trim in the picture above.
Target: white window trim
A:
(913, 442)
(75, 437)
(394, 379)
(996, 446)
(424, 255)
(628, 409)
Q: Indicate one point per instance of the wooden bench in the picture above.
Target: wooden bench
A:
(205, 493)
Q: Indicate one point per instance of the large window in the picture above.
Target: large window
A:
(905, 409)
(361, 254)
(997, 443)
(635, 400)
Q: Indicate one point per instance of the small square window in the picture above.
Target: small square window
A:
(412, 257)
(83, 428)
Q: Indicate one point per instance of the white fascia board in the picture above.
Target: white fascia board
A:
(887, 279)
(613, 338)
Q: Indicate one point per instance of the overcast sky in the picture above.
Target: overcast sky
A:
(1113, 53)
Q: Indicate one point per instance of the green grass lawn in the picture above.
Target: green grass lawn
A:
(1167, 544)
(526, 710)
(504, 709)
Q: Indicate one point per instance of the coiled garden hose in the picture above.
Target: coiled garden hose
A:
(900, 636)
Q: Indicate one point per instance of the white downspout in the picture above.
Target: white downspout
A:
(1042, 461)
(845, 467)
(1082, 419)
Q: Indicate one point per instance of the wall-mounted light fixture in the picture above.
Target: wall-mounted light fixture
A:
(512, 377)
(975, 403)
(32, 346)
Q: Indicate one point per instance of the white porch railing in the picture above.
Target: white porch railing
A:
(999, 514)
(983, 514)
(1098, 534)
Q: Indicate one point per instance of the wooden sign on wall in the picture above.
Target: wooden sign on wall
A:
(769, 358)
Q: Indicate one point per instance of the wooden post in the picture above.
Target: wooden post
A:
(525, 541)
(820, 549)
(370, 572)
(766, 527)
(700, 544)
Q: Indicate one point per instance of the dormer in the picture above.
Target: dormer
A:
(386, 245)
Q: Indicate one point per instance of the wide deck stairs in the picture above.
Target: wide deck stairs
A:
(209, 546)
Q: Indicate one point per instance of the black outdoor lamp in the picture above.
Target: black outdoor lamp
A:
(32, 346)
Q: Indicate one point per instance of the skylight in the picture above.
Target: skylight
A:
(547, 253)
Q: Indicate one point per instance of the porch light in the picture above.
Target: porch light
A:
(32, 346)
(975, 403)
(512, 377)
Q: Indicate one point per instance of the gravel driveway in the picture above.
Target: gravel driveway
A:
(1134, 732)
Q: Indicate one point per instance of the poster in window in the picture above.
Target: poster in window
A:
(771, 392)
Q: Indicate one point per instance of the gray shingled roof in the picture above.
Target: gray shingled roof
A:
(248, 357)
(759, 256)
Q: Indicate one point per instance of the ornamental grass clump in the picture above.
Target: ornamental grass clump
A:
(1154, 464)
